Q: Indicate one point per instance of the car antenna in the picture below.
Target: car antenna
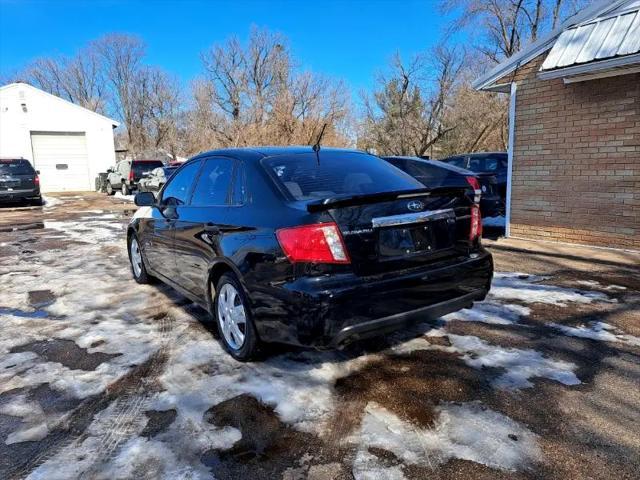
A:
(316, 146)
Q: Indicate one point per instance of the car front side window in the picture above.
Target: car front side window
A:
(177, 190)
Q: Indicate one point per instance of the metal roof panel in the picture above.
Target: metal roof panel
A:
(616, 36)
(613, 34)
(631, 42)
(558, 49)
(578, 42)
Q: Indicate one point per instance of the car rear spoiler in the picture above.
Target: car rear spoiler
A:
(352, 200)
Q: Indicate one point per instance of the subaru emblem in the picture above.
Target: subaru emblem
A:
(415, 206)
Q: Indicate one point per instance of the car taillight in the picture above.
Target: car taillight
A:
(476, 223)
(36, 181)
(473, 181)
(131, 175)
(317, 243)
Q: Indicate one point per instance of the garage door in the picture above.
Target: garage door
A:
(61, 158)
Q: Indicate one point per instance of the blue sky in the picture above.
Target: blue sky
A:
(351, 39)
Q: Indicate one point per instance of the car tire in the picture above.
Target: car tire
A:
(229, 300)
(125, 190)
(138, 269)
(109, 189)
(37, 202)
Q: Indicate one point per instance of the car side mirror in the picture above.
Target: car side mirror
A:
(144, 199)
(37, 172)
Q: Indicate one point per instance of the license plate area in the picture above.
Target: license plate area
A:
(415, 234)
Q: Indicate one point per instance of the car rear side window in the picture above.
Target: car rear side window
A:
(15, 167)
(213, 184)
(177, 190)
(305, 176)
(140, 167)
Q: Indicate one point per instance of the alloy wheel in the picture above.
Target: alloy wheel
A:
(232, 316)
(136, 257)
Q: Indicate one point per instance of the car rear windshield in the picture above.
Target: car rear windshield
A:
(306, 176)
(479, 163)
(431, 173)
(140, 167)
(15, 167)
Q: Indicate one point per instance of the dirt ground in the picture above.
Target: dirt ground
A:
(103, 378)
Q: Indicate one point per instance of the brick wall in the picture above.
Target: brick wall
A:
(576, 170)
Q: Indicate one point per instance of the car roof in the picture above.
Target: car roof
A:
(475, 154)
(260, 152)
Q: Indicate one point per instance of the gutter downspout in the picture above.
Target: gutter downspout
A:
(512, 131)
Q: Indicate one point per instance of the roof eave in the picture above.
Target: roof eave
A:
(616, 65)
(39, 90)
(524, 56)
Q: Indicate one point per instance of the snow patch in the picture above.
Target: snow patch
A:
(127, 198)
(526, 288)
(50, 202)
(369, 467)
(601, 331)
(468, 431)
(490, 312)
(33, 434)
(520, 365)
(596, 284)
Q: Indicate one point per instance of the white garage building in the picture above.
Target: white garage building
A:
(66, 143)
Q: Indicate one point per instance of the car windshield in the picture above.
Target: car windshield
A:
(489, 163)
(306, 177)
(15, 167)
(141, 167)
(168, 171)
(478, 163)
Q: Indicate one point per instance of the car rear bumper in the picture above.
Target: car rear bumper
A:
(391, 323)
(335, 310)
(17, 195)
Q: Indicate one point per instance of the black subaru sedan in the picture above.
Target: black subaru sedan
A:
(285, 244)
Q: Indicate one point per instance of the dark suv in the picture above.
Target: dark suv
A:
(491, 170)
(127, 173)
(19, 181)
(286, 245)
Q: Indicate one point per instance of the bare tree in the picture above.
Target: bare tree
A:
(480, 118)
(121, 57)
(505, 26)
(406, 115)
(79, 79)
(255, 94)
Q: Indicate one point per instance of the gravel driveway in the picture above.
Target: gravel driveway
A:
(103, 378)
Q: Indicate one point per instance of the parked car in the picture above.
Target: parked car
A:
(155, 179)
(283, 245)
(19, 181)
(491, 169)
(127, 173)
(433, 173)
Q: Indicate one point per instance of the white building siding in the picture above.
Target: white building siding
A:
(25, 110)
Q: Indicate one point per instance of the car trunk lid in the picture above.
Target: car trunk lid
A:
(399, 230)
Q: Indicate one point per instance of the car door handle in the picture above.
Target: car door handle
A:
(212, 229)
